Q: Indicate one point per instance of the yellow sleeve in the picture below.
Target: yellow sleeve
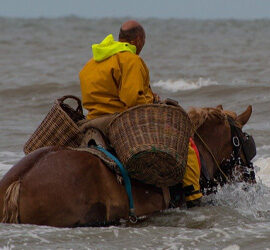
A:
(191, 180)
(134, 82)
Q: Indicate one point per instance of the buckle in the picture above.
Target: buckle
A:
(235, 141)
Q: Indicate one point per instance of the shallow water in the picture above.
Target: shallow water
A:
(198, 63)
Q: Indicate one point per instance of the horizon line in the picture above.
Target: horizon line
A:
(133, 17)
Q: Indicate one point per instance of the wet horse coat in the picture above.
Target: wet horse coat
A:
(65, 188)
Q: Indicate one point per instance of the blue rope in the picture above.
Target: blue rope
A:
(124, 174)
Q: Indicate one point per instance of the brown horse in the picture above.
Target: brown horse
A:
(66, 188)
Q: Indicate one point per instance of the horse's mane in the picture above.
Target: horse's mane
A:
(198, 116)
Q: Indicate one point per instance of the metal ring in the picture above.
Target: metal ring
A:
(236, 141)
(133, 218)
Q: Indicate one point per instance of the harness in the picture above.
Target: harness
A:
(241, 142)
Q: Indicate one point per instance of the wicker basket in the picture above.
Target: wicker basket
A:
(58, 128)
(152, 141)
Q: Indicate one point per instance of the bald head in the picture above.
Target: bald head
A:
(130, 24)
(132, 32)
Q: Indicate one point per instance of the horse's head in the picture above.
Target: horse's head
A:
(222, 144)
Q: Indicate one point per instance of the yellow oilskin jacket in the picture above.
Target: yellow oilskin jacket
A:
(191, 180)
(114, 80)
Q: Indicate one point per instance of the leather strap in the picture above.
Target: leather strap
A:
(166, 196)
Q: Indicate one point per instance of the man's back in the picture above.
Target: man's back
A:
(115, 84)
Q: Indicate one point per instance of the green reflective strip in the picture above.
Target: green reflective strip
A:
(109, 47)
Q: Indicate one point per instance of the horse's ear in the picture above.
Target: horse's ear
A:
(244, 117)
(219, 107)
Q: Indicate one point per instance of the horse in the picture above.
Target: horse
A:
(61, 187)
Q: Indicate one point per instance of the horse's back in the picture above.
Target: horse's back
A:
(66, 187)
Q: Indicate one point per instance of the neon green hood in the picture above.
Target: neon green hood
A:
(109, 47)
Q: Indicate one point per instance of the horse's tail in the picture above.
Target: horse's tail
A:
(11, 203)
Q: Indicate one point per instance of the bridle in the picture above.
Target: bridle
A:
(242, 143)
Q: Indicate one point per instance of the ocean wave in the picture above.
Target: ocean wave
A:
(183, 85)
(4, 168)
(7, 247)
(264, 170)
(264, 147)
(7, 160)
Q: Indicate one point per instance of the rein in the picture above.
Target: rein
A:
(241, 142)
(214, 158)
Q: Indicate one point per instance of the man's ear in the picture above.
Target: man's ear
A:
(133, 42)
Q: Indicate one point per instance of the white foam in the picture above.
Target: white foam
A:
(4, 166)
(232, 247)
(264, 147)
(9, 246)
(7, 160)
(182, 85)
(8, 155)
(264, 172)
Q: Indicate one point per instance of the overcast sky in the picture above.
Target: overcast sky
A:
(201, 9)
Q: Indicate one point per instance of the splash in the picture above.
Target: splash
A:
(183, 85)
(264, 170)
(9, 246)
(247, 200)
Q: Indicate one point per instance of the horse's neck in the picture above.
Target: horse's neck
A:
(205, 142)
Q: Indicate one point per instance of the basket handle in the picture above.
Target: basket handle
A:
(79, 108)
(171, 102)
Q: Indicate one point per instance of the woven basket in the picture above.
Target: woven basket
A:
(152, 142)
(58, 128)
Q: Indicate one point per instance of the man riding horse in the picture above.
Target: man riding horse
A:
(116, 79)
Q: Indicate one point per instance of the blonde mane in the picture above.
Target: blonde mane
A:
(198, 116)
